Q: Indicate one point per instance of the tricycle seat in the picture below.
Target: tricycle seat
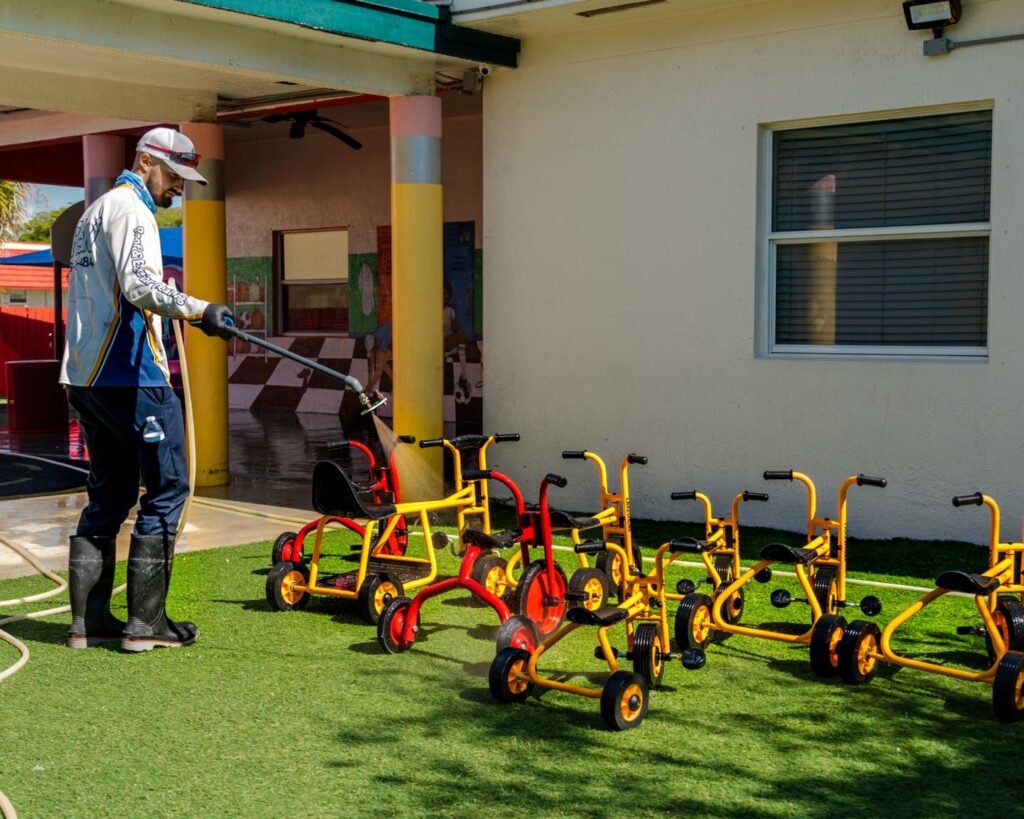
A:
(783, 553)
(499, 540)
(335, 494)
(690, 545)
(604, 616)
(977, 584)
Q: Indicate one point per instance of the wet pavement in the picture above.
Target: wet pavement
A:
(272, 456)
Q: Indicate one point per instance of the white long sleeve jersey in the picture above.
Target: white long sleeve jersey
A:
(116, 296)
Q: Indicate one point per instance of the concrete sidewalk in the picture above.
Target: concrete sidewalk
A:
(42, 525)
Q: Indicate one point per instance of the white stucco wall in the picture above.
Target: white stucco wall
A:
(620, 192)
(281, 184)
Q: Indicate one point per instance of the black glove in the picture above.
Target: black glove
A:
(213, 323)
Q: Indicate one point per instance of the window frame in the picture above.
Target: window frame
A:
(769, 239)
(280, 284)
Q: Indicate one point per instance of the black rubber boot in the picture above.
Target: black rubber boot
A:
(149, 576)
(91, 580)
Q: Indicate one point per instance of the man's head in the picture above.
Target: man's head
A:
(164, 159)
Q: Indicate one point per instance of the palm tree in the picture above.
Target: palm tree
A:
(12, 207)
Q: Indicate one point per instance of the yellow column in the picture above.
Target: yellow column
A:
(417, 275)
(206, 278)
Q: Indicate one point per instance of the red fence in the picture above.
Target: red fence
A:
(25, 333)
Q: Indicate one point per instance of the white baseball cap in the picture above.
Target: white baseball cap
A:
(173, 148)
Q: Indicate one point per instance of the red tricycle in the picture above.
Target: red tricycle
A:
(538, 604)
(382, 488)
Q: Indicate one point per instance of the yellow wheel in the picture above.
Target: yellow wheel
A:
(592, 585)
(282, 580)
(489, 572)
(507, 677)
(647, 654)
(1009, 619)
(825, 639)
(693, 622)
(624, 700)
(858, 646)
(826, 589)
(1008, 687)
(611, 564)
(376, 592)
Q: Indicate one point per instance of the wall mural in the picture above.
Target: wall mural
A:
(263, 381)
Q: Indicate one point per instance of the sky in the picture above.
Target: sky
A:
(51, 197)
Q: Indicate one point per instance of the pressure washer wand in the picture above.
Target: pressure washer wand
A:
(369, 402)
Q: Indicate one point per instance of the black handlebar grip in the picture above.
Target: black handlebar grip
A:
(572, 453)
(468, 441)
(429, 442)
(589, 547)
(633, 458)
(786, 475)
(864, 480)
(506, 436)
(476, 474)
(557, 480)
(407, 439)
(338, 444)
(977, 499)
(758, 496)
(691, 495)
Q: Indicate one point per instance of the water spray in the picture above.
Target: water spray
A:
(370, 401)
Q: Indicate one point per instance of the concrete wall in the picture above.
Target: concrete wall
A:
(280, 184)
(621, 197)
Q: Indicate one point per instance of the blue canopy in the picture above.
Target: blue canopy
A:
(170, 245)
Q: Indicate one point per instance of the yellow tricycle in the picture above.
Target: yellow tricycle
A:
(997, 594)
(591, 586)
(381, 575)
(820, 567)
(641, 612)
(719, 551)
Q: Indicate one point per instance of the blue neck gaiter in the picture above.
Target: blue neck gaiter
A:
(133, 179)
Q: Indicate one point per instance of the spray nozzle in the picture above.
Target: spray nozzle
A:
(371, 402)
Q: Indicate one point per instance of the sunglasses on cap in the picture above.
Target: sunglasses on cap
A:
(190, 159)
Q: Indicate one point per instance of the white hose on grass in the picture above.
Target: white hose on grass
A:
(6, 808)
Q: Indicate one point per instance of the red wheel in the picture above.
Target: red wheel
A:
(284, 548)
(540, 599)
(518, 632)
(391, 625)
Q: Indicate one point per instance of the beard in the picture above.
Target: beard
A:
(165, 200)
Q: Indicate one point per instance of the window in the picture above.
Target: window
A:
(311, 276)
(17, 297)
(876, 237)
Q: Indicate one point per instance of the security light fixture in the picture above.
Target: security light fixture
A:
(926, 14)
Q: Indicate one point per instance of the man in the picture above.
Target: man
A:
(116, 377)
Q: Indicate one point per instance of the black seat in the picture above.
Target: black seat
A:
(968, 583)
(563, 520)
(334, 494)
(783, 553)
(499, 540)
(690, 545)
(604, 616)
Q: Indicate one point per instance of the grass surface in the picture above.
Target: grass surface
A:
(277, 714)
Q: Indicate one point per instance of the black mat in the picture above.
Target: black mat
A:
(22, 475)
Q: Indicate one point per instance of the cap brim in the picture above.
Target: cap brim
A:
(185, 172)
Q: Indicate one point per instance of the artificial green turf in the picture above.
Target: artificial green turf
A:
(280, 714)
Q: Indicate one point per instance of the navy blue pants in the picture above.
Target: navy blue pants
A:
(112, 420)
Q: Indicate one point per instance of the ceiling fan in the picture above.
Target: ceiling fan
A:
(300, 120)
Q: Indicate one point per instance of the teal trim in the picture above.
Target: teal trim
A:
(247, 271)
(410, 23)
(362, 293)
(478, 293)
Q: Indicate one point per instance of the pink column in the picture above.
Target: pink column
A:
(103, 161)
